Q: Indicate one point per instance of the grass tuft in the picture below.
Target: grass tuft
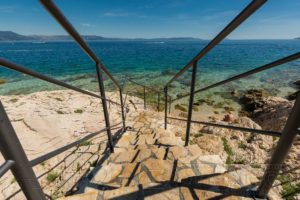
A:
(79, 111)
(52, 176)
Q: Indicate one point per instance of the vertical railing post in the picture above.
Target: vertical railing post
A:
(158, 101)
(11, 149)
(104, 105)
(190, 110)
(284, 144)
(144, 98)
(170, 103)
(122, 109)
(166, 105)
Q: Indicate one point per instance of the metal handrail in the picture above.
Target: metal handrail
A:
(7, 165)
(60, 150)
(145, 86)
(240, 18)
(159, 92)
(251, 130)
(63, 21)
(24, 70)
(245, 74)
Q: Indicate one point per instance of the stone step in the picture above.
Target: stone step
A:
(145, 151)
(229, 185)
(150, 170)
(127, 140)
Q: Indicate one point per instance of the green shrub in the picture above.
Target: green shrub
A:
(198, 135)
(242, 145)
(14, 100)
(60, 112)
(289, 189)
(228, 150)
(79, 111)
(180, 107)
(58, 99)
(52, 176)
(255, 165)
(240, 162)
(86, 143)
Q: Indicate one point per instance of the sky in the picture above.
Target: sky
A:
(276, 19)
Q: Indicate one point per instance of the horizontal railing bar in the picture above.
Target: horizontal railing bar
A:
(240, 18)
(248, 73)
(63, 21)
(24, 70)
(60, 150)
(147, 87)
(7, 165)
(270, 133)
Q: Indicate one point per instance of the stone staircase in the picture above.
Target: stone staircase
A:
(152, 163)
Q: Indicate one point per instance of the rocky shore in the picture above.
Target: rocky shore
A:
(45, 121)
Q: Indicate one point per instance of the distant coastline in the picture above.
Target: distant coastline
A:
(10, 36)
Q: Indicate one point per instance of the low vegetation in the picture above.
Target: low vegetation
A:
(198, 135)
(242, 145)
(180, 107)
(228, 150)
(86, 143)
(14, 100)
(58, 99)
(60, 112)
(52, 176)
(289, 187)
(79, 111)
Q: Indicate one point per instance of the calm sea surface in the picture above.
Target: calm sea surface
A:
(153, 62)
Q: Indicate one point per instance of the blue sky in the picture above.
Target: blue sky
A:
(277, 19)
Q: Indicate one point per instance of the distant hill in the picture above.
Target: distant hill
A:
(12, 36)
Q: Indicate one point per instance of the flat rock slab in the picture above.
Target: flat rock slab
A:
(158, 170)
(108, 173)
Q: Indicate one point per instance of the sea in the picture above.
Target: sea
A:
(152, 63)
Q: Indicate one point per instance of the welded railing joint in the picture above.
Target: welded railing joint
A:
(7, 165)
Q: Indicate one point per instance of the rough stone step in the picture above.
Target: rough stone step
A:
(128, 140)
(170, 141)
(138, 154)
(229, 185)
(155, 170)
(156, 151)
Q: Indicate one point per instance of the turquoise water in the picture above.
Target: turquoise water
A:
(153, 61)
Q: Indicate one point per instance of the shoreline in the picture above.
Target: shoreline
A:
(54, 118)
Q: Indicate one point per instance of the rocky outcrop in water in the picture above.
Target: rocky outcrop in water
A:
(253, 100)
